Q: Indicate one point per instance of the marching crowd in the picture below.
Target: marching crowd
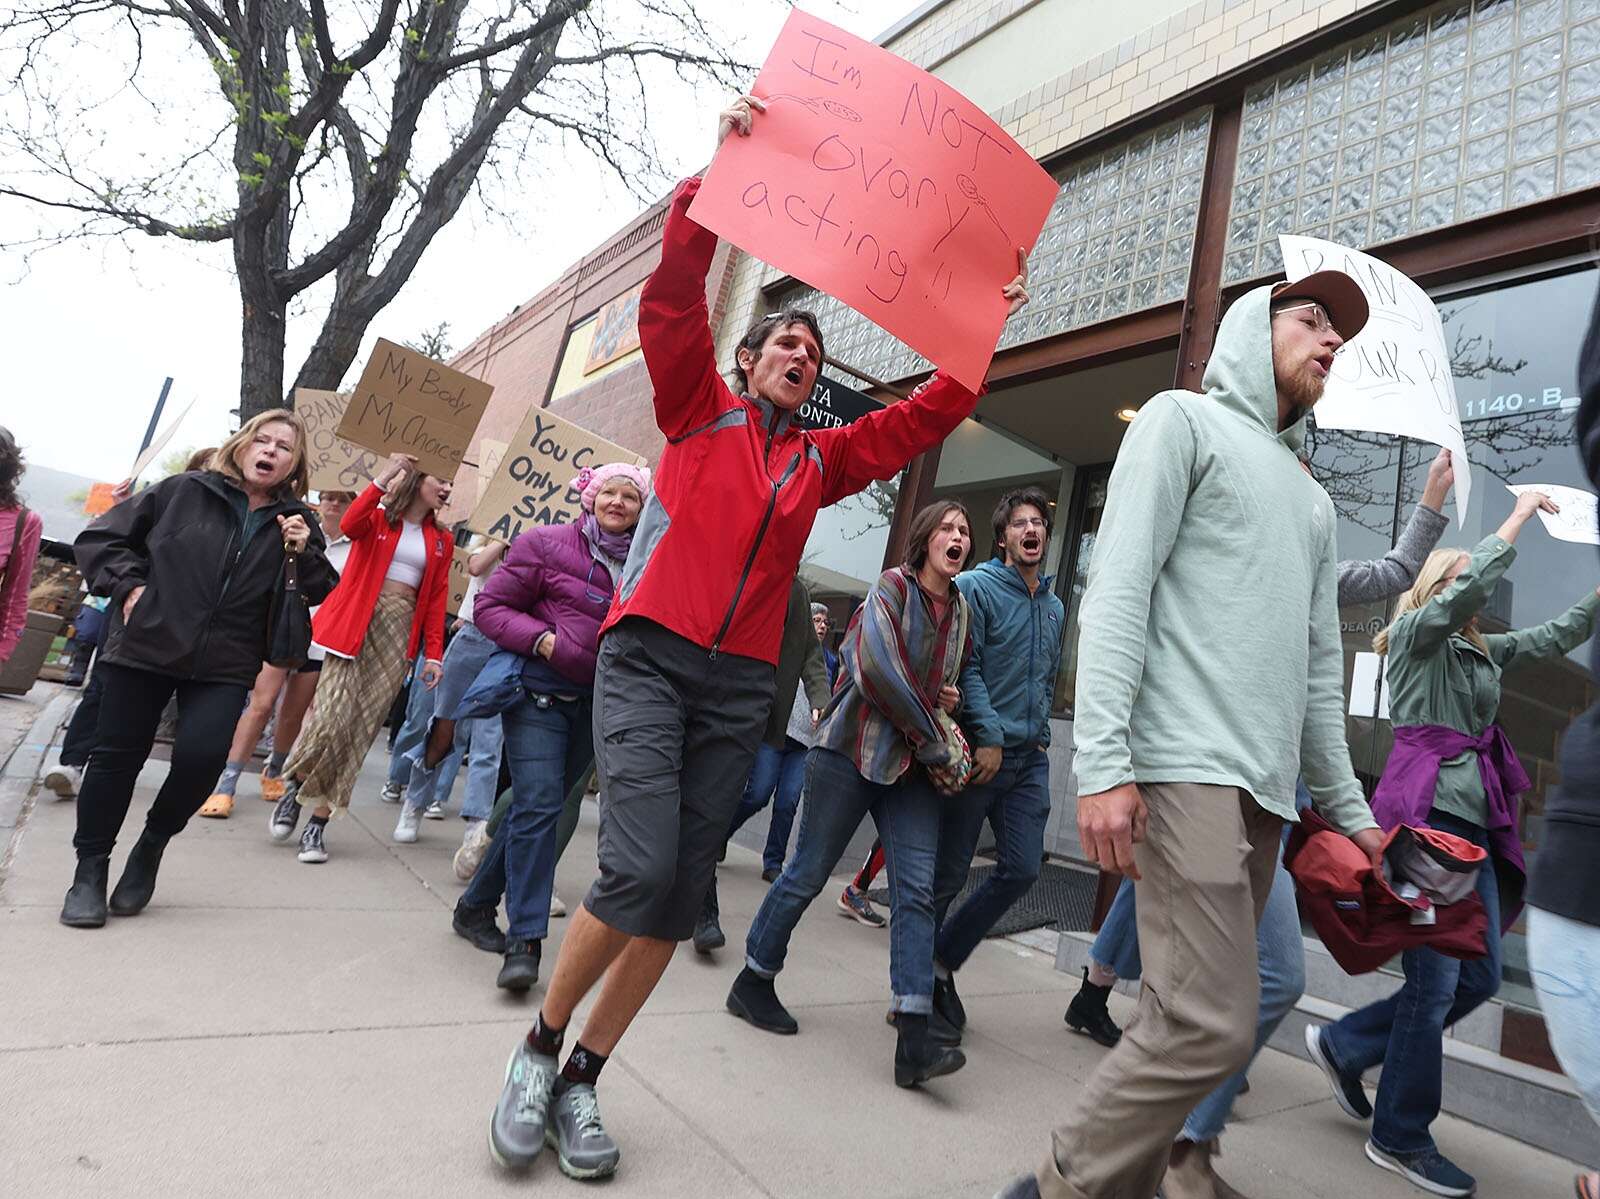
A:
(665, 642)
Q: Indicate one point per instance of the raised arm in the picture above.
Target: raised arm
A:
(1548, 640)
(675, 325)
(881, 443)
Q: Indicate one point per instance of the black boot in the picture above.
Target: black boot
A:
(940, 1030)
(947, 1003)
(917, 1057)
(755, 999)
(708, 934)
(477, 925)
(86, 900)
(520, 971)
(138, 881)
(1087, 1014)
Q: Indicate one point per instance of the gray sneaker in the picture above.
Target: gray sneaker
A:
(517, 1130)
(583, 1147)
(285, 816)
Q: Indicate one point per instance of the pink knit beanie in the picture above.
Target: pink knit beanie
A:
(592, 478)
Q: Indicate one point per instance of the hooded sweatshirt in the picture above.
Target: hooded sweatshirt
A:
(1209, 649)
(1007, 684)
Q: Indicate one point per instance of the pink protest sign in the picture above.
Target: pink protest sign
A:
(877, 183)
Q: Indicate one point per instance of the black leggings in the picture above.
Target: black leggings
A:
(131, 704)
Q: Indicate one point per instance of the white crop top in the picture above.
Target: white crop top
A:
(410, 557)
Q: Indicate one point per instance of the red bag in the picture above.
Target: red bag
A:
(1361, 919)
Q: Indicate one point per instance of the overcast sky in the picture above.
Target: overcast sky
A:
(92, 329)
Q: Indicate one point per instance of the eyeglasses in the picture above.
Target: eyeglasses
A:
(1027, 522)
(1319, 315)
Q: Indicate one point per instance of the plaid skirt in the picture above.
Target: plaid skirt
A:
(353, 697)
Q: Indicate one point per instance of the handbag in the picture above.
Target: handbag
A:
(289, 619)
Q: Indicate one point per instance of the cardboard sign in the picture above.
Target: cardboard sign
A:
(101, 499)
(160, 443)
(490, 455)
(879, 184)
(833, 405)
(533, 485)
(1394, 376)
(460, 580)
(336, 464)
(409, 403)
(1577, 519)
(616, 330)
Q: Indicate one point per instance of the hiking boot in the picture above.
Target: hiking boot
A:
(478, 926)
(1026, 1187)
(285, 817)
(405, 832)
(584, 1149)
(520, 971)
(947, 1004)
(517, 1129)
(474, 845)
(64, 781)
(138, 881)
(1347, 1091)
(1087, 1014)
(85, 905)
(391, 793)
(1190, 1174)
(857, 906)
(313, 850)
(1430, 1170)
(755, 999)
(917, 1057)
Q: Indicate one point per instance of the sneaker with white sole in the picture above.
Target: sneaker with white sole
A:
(313, 850)
(517, 1130)
(557, 908)
(434, 811)
(1430, 1170)
(64, 781)
(405, 832)
(584, 1149)
(474, 844)
(285, 816)
(857, 906)
(1347, 1092)
(391, 793)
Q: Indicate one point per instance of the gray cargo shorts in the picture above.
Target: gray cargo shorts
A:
(675, 735)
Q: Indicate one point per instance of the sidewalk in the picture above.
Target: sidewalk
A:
(272, 1029)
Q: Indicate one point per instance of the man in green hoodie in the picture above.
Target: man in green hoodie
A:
(1210, 674)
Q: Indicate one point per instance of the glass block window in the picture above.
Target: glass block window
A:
(1118, 240)
(1458, 111)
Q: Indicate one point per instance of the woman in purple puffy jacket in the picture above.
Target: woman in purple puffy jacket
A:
(546, 603)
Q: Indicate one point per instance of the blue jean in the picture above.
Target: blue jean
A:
(1116, 945)
(908, 815)
(1016, 802)
(414, 731)
(1405, 1032)
(780, 771)
(549, 750)
(1565, 957)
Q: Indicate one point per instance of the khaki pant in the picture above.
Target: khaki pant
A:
(1207, 864)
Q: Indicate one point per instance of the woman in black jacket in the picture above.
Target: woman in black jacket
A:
(190, 565)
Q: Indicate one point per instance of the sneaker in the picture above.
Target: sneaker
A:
(1430, 1170)
(584, 1149)
(391, 793)
(405, 832)
(434, 811)
(1347, 1092)
(557, 908)
(272, 788)
(478, 926)
(285, 817)
(520, 970)
(312, 850)
(857, 906)
(474, 844)
(64, 781)
(517, 1129)
(755, 999)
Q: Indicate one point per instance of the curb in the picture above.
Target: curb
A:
(21, 772)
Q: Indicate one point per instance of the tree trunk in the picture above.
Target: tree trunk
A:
(261, 361)
(338, 342)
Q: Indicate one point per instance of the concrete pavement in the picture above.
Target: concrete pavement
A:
(272, 1029)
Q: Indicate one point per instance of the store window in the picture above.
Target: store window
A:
(1446, 115)
(1514, 350)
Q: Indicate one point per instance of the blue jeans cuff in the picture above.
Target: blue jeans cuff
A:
(912, 1005)
(758, 969)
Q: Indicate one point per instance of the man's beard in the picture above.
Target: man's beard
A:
(1303, 389)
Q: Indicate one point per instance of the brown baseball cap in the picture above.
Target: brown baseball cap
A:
(1340, 296)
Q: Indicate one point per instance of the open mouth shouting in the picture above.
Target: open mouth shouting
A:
(263, 469)
(794, 375)
(1322, 365)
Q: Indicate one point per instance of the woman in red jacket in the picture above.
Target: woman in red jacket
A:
(389, 602)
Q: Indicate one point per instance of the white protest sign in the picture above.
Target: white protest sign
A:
(1576, 520)
(1394, 376)
(1364, 672)
(159, 444)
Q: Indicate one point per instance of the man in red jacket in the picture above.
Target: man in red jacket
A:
(687, 654)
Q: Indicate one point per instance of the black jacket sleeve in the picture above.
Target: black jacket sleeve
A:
(317, 576)
(112, 551)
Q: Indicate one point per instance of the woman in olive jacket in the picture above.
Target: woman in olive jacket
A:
(190, 565)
